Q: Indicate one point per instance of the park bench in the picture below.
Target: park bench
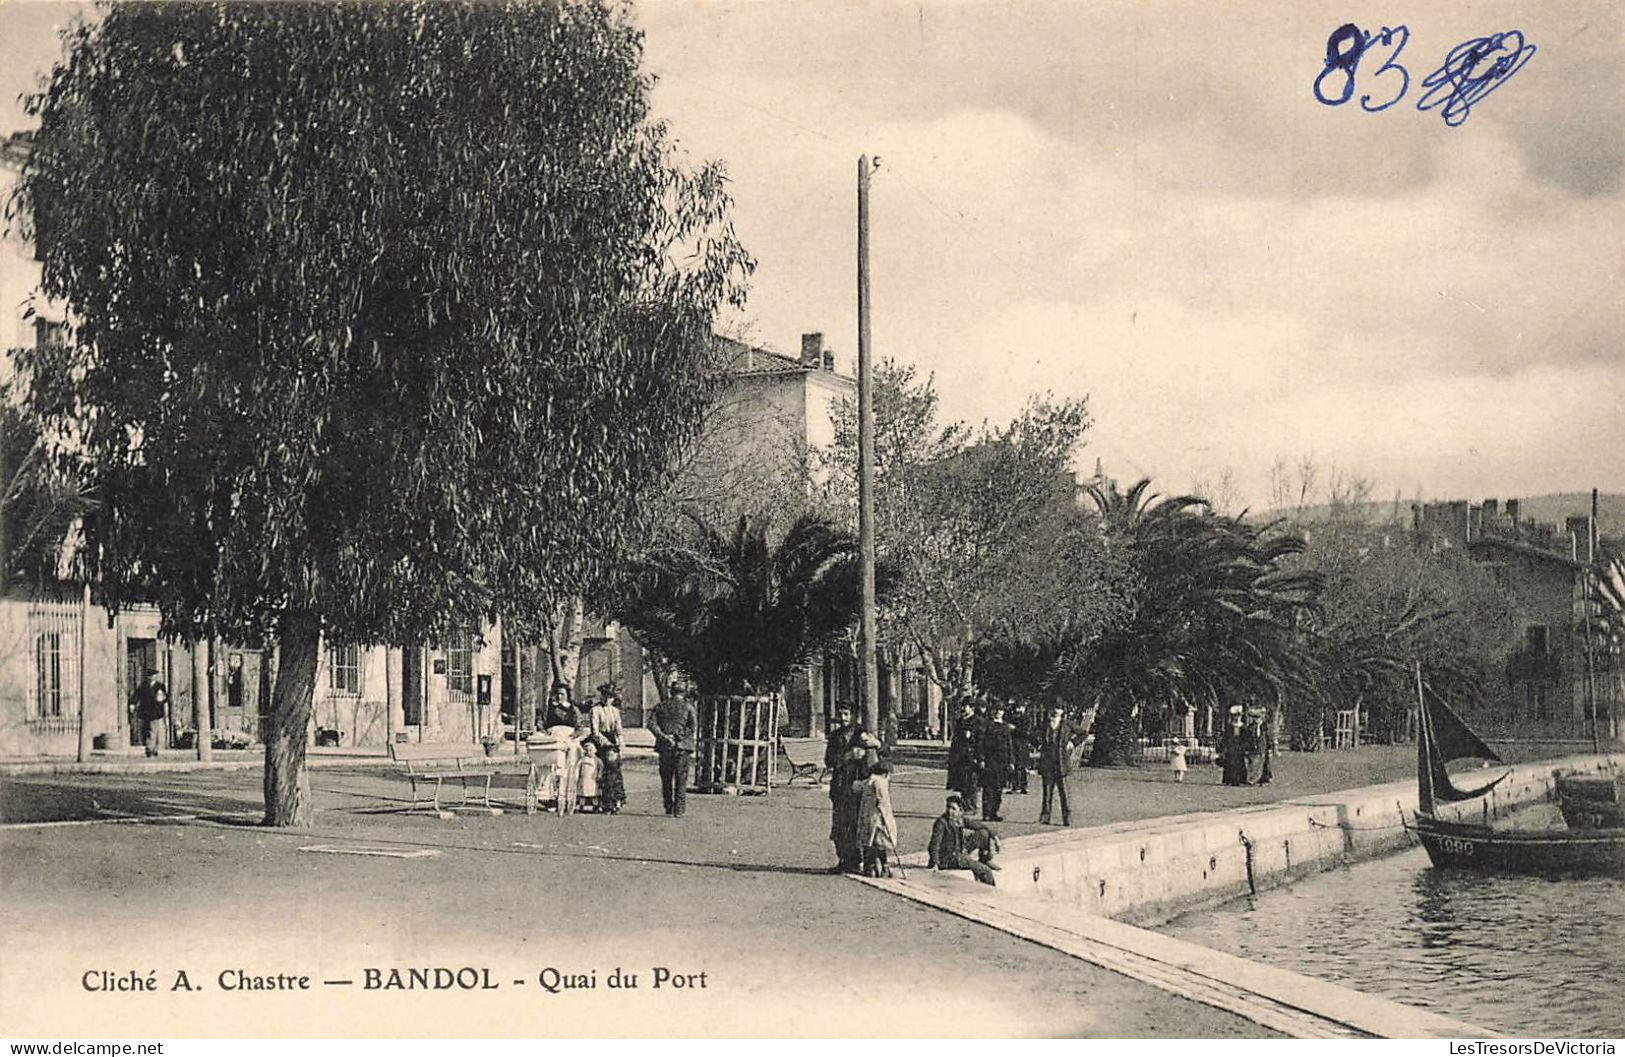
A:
(435, 762)
(815, 771)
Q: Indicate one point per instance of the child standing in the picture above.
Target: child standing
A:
(1176, 760)
(877, 825)
(587, 776)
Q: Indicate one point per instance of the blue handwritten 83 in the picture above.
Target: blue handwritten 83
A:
(1472, 70)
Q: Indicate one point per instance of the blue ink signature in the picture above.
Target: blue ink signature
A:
(1473, 70)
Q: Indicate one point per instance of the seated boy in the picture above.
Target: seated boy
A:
(959, 843)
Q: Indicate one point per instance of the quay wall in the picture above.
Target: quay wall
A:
(1150, 871)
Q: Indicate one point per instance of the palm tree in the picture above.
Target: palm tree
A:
(1383, 611)
(1213, 616)
(39, 504)
(738, 613)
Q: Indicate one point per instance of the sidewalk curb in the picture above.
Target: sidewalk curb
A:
(161, 765)
(1292, 1003)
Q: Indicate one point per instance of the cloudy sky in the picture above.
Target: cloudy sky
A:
(1145, 203)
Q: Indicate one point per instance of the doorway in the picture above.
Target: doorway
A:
(140, 657)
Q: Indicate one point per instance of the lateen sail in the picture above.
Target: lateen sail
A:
(1445, 737)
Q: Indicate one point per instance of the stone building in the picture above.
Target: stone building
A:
(1559, 669)
(754, 457)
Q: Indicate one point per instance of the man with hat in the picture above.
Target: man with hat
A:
(151, 708)
(848, 752)
(958, 843)
(674, 725)
(995, 749)
(1055, 740)
(1021, 743)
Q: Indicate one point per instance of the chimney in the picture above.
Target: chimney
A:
(829, 360)
(812, 350)
(1512, 511)
(1579, 530)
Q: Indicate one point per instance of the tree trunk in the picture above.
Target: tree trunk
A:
(888, 661)
(935, 697)
(1304, 729)
(1115, 735)
(661, 672)
(287, 779)
(210, 673)
(389, 707)
(202, 722)
(564, 643)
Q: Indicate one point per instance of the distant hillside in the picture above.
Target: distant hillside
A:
(1550, 509)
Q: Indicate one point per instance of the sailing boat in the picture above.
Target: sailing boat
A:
(1442, 736)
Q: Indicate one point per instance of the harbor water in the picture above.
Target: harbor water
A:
(1523, 956)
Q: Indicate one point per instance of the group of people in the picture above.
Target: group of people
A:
(1245, 752)
(988, 757)
(600, 738)
(863, 826)
(995, 746)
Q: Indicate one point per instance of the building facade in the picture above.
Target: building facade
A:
(68, 673)
(1562, 677)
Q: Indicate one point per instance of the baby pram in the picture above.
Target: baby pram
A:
(553, 765)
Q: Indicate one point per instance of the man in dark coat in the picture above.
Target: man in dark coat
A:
(1055, 743)
(151, 708)
(1021, 745)
(997, 756)
(957, 843)
(848, 752)
(965, 765)
(674, 724)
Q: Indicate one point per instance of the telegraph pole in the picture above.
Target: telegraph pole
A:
(1589, 581)
(870, 676)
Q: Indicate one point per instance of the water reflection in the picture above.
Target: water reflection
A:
(1522, 955)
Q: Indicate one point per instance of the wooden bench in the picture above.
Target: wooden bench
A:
(435, 762)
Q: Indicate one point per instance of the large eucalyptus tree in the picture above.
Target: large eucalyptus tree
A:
(387, 316)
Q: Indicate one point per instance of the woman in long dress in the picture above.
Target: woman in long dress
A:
(1257, 741)
(608, 734)
(1233, 752)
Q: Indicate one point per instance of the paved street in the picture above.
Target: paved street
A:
(735, 891)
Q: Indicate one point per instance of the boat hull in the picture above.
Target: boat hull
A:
(1591, 801)
(1550, 852)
